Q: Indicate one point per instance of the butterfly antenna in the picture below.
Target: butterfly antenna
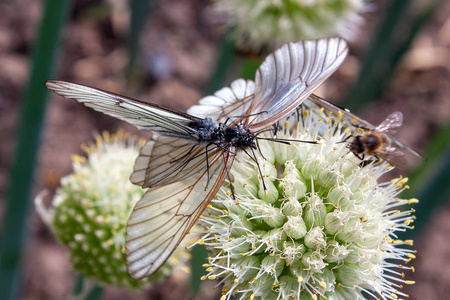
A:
(251, 115)
(266, 130)
(287, 141)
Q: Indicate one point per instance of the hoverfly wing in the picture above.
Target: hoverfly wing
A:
(289, 75)
(398, 153)
(343, 115)
(162, 218)
(140, 114)
(393, 156)
(393, 121)
(232, 101)
(165, 160)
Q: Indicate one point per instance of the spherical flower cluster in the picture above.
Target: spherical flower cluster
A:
(91, 208)
(308, 221)
(270, 23)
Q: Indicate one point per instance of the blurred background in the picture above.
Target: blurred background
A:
(172, 53)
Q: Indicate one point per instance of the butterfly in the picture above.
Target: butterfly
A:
(367, 139)
(191, 154)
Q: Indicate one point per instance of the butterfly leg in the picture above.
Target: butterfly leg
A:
(207, 167)
(257, 164)
(259, 149)
(228, 175)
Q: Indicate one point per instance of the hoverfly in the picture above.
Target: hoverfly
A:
(367, 139)
(190, 156)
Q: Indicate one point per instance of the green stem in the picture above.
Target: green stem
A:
(86, 289)
(34, 103)
(393, 40)
(224, 61)
(141, 13)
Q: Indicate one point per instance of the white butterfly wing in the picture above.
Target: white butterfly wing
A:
(230, 101)
(162, 218)
(290, 74)
(165, 160)
(140, 114)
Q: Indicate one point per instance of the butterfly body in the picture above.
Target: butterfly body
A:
(222, 135)
(185, 164)
(238, 136)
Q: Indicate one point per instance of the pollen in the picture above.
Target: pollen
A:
(286, 125)
(79, 159)
(410, 255)
(413, 201)
(320, 111)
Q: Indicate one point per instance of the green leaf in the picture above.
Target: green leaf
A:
(199, 257)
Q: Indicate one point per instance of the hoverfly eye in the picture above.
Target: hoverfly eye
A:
(357, 145)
